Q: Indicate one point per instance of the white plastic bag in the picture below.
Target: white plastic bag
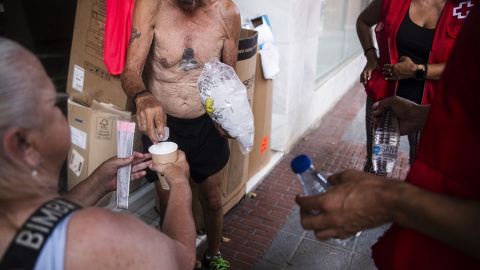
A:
(269, 57)
(225, 98)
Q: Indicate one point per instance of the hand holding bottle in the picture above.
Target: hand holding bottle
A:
(411, 116)
(313, 183)
(355, 202)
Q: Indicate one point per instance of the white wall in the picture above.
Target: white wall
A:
(297, 105)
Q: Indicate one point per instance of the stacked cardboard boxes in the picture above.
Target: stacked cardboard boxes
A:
(88, 78)
(97, 99)
(94, 140)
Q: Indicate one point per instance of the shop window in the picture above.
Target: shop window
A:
(338, 41)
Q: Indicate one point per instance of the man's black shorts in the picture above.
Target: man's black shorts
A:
(207, 152)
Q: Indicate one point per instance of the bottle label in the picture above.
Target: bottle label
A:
(386, 151)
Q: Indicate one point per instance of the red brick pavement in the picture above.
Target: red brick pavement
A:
(254, 222)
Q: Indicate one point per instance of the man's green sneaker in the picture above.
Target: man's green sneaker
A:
(215, 262)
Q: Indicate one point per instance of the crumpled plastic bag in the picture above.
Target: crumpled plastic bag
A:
(225, 99)
(269, 57)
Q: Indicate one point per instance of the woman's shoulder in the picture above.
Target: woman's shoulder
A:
(98, 237)
(98, 219)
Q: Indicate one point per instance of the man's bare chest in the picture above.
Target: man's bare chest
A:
(187, 44)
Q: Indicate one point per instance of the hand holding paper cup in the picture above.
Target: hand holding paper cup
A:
(163, 153)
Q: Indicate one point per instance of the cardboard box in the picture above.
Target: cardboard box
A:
(88, 78)
(94, 140)
(246, 60)
(260, 155)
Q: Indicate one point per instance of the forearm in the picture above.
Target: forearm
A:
(87, 192)
(434, 71)
(132, 83)
(143, 25)
(452, 221)
(420, 117)
(178, 223)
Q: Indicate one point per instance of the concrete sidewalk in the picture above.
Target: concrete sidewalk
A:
(265, 231)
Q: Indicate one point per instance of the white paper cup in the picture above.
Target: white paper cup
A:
(163, 152)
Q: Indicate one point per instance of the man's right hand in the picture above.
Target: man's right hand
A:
(150, 116)
(355, 202)
(411, 116)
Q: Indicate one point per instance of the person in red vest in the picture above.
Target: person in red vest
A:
(414, 38)
(436, 211)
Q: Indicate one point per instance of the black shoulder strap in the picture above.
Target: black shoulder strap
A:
(29, 240)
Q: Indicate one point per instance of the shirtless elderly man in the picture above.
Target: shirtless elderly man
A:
(171, 41)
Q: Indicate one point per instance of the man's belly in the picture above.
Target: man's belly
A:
(183, 108)
(180, 101)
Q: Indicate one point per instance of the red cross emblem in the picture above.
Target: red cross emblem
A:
(462, 10)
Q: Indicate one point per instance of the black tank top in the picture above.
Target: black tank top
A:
(415, 42)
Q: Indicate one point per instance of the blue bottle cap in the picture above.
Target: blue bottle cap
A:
(300, 163)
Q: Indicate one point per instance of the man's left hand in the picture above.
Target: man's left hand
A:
(222, 131)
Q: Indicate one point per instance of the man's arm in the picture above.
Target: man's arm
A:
(141, 37)
(125, 236)
(360, 201)
(451, 220)
(150, 113)
(179, 210)
(232, 22)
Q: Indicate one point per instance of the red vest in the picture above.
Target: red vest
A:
(447, 160)
(393, 12)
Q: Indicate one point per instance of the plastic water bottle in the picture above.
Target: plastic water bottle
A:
(313, 183)
(385, 144)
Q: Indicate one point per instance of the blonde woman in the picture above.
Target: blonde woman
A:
(66, 232)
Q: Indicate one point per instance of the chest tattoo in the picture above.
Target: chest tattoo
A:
(188, 63)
